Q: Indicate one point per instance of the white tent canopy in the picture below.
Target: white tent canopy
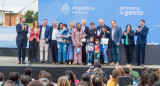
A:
(19, 5)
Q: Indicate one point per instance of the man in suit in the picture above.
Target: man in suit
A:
(141, 34)
(21, 39)
(53, 41)
(44, 40)
(116, 33)
(84, 40)
(101, 23)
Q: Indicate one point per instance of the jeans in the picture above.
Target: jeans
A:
(62, 51)
(89, 57)
(105, 53)
(115, 50)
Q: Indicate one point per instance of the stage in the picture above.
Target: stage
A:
(9, 64)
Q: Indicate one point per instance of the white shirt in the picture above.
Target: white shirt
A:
(54, 32)
(35, 30)
(43, 32)
(83, 28)
(113, 30)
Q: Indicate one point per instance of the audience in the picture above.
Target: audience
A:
(1, 78)
(63, 81)
(45, 81)
(135, 74)
(86, 77)
(25, 80)
(28, 72)
(35, 83)
(157, 83)
(73, 77)
(82, 83)
(15, 77)
(93, 77)
(8, 83)
(113, 81)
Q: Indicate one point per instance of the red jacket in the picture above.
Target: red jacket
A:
(32, 34)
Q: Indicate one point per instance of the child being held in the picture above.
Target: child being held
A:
(65, 32)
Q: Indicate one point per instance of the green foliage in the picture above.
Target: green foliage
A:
(30, 16)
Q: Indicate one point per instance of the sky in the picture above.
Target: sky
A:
(18, 5)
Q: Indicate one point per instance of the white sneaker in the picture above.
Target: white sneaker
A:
(88, 64)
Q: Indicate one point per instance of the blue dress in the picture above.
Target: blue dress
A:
(70, 48)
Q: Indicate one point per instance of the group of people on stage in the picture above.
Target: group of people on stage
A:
(79, 44)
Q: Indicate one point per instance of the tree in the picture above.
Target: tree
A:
(29, 16)
(36, 16)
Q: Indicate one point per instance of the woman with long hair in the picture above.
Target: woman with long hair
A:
(128, 36)
(113, 81)
(33, 41)
(70, 48)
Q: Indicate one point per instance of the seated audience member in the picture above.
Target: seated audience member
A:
(117, 66)
(1, 78)
(41, 73)
(15, 77)
(28, 72)
(127, 73)
(100, 66)
(82, 83)
(63, 81)
(45, 81)
(113, 81)
(157, 83)
(97, 81)
(144, 79)
(90, 70)
(8, 83)
(135, 74)
(98, 71)
(153, 78)
(48, 76)
(73, 77)
(35, 83)
(86, 77)
(25, 80)
(69, 78)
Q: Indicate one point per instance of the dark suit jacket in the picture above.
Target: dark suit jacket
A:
(86, 30)
(117, 34)
(99, 27)
(21, 35)
(130, 38)
(46, 35)
(142, 36)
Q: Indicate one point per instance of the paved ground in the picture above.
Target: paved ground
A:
(12, 61)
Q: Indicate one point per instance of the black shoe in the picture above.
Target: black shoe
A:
(19, 63)
(23, 63)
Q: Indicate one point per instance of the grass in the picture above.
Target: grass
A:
(29, 24)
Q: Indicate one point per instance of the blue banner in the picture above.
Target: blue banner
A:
(123, 11)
